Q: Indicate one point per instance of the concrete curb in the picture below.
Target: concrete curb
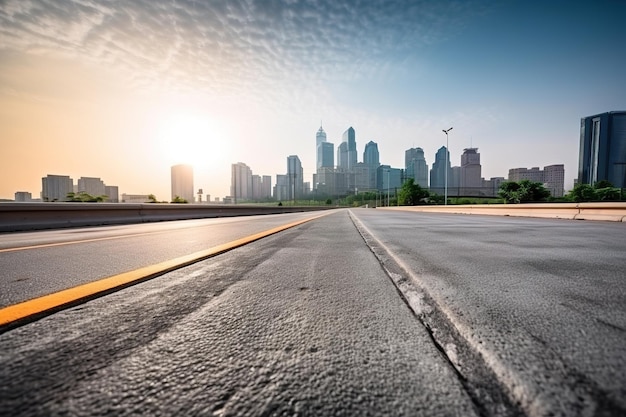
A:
(37, 216)
(611, 211)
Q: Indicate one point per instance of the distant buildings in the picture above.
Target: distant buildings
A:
(602, 153)
(438, 171)
(182, 182)
(112, 192)
(244, 186)
(23, 196)
(295, 178)
(416, 167)
(346, 153)
(324, 150)
(552, 177)
(92, 186)
(241, 182)
(371, 158)
(470, 178)
(56, 187)
(389, 179)
(135, 198)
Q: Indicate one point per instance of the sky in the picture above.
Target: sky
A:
(123, 90)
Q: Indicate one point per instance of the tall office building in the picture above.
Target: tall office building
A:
(347, 156)
(552, 177)
(342, 156)
(280, 189)
(320, 137)
(602, 153)
(325, 155)
(471, 169)
(389, 179)
(112, 193)
(416, 167)
(56, 187)
(182, 182)
(92, 186)
(371, 158)
(438, 171)
(241, 188)
(533, 174)
(295, 180)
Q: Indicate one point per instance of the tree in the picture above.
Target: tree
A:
(179, 200)
(84, 197)
(152, 198)
(524, 191)
(411, 194)
(602, 184)
(581, 193)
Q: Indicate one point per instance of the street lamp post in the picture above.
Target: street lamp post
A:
(445, 187)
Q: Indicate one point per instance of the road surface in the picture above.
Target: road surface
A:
(360, 312)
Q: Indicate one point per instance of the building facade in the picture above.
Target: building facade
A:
(23, 196)
(470, 171)
(415, 166)
(56, 187)
(552, 177)
(241, 186)
(602, 154)
(371, 158)
(92, 186)
(295, 179)
(438, 171)
(182, 182)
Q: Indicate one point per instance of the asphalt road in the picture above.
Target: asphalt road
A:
(404, 314)
(33, 264)
(542, 301)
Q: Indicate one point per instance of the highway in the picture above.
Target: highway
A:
(38, 263)
(358, 312)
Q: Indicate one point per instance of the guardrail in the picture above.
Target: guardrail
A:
(37, 216)
(574, 211)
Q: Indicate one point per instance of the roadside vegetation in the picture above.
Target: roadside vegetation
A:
(83, 197)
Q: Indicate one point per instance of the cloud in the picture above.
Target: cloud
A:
(232, 46)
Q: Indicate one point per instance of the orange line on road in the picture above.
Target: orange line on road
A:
(27, 311)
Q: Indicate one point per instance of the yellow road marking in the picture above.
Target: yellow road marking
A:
(38, 307)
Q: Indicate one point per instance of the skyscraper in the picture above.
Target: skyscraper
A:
(346, 155)
(295, 180)
(325, 155)
(416, 167)
(471, 169)
(241, 188)
(438, 171)
(602, 153)
(371, 158)
(320, 138)
(182, 182)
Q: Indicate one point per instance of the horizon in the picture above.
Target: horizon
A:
(122, 93)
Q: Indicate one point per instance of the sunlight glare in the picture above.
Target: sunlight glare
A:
(186, 138)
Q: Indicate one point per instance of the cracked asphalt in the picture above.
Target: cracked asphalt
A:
(360, 312)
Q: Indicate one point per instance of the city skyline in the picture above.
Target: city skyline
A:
(124, 93)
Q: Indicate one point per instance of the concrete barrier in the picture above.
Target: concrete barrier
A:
(37, 216)
(573, 211)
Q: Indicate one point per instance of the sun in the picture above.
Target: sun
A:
(190, 138)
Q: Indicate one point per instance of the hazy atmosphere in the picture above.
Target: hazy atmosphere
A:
(123, 90)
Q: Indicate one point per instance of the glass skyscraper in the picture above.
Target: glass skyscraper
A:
(603, 149)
